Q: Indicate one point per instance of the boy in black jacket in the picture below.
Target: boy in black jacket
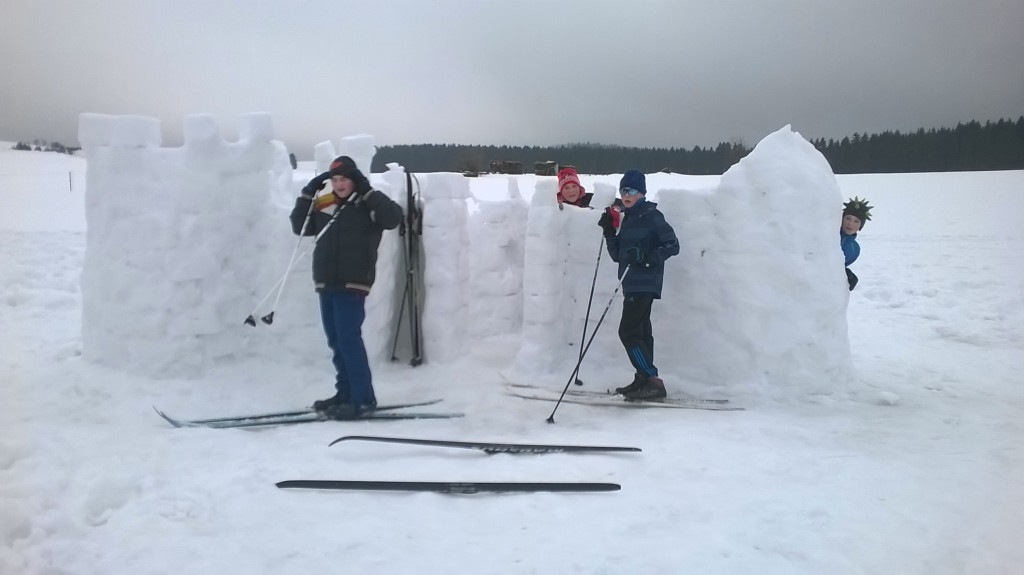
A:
(352, 219)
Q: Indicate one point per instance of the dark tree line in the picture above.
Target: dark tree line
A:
(587, 158)
(44, 146)
(967, 147)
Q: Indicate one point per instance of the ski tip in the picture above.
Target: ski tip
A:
(371, 438)
(347, 438)
(166, 417)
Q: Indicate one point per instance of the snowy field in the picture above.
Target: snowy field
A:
(918, 468)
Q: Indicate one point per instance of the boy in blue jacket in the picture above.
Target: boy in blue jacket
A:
(855, 213)
(643, 242)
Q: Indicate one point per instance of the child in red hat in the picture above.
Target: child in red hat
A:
(570, 191)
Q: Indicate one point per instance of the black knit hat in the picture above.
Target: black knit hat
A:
(859, 209)
(344, 166)
(634, 179)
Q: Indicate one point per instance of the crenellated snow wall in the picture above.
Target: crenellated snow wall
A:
(183, 242)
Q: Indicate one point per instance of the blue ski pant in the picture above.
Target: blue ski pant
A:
(636, 334)
(342, 314)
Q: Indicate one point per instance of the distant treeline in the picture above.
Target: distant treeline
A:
(967, 147)
(44, 146)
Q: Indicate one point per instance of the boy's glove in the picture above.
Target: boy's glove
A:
(641, 258)
(362, 183)
(635, 256)
(313, 187)
(607, 224)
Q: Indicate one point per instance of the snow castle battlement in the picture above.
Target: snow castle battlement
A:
(178, 239)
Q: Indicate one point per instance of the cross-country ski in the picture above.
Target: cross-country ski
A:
(456, 487)
(491, 447)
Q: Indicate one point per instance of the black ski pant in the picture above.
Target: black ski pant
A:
(636, 334)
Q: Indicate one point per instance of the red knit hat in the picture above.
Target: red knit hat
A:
(568, 176)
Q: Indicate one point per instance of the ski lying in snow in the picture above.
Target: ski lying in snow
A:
(489, 447)
(292, 417)
(531, 392)
(460, 487)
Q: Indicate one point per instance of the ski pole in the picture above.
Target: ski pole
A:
(251, 321)
(576, 370)
(269, 318)
(583, 336)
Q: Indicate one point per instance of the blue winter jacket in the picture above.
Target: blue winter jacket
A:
(851, 249)
(644, 233)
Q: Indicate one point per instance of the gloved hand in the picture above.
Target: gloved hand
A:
(636, 257)
(607, 223)
(313, 187)
(362, 184)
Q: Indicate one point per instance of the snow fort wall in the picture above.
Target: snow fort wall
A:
(497, 234)
(445, 266)
(181, 242)
(758, 295)
(562, 247)
(755, 303)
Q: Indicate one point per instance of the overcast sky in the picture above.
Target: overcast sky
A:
(531, 72)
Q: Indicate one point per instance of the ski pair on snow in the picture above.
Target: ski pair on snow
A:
(608, 399)
(308, 416)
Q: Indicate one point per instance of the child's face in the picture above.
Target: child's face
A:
(629, 200)
(342, 186)
(571, 193)
(851, 224)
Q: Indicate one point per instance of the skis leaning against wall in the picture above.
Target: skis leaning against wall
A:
(411, 232)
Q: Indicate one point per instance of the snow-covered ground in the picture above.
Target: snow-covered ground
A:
(919, 469)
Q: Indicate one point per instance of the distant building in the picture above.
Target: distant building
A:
(548, 168)
(506, 167)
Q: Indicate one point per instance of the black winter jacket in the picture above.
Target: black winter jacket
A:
(345, 257)
(644, 233)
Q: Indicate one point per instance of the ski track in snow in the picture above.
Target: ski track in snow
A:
(919, 471)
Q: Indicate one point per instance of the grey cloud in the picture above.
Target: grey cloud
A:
(656, 73)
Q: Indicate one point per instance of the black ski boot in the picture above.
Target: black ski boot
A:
(652, 390)
(638, 381)
(349, 411)
(321, 405)
(342, 411)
